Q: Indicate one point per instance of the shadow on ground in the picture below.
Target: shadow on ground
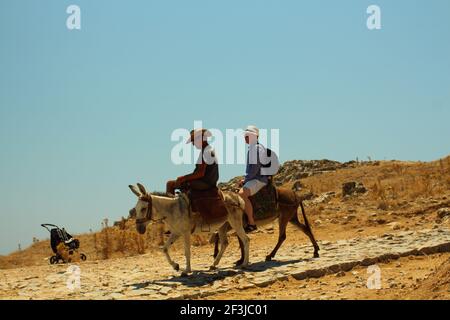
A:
(203, 278)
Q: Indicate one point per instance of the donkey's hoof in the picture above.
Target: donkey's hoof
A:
(212, 268)
(269, 258)
(176, 267)
(243, 266)
(238, 263)
(186, 273)
(316, 255)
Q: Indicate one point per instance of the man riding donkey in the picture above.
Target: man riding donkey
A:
(263, 202)
(206, 173)
(199, 203)
(254, 180)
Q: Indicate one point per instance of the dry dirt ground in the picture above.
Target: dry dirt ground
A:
(409, 278)
(400, 197)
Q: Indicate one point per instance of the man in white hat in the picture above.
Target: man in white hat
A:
(206, 173)
(253, 181)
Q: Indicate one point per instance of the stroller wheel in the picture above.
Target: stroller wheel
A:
(54, 260)
(83, 257)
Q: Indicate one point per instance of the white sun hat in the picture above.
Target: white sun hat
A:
(252, 130)
(198, 134)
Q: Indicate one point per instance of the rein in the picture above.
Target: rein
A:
(148, 214)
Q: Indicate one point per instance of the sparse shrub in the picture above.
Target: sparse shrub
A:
(378, 190)
(383, 205)
(106, 244)
(399, 169)
(121, 241)
(139, 242)
(96, 248)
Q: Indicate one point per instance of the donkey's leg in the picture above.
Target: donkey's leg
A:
(215, 239)
(236, 223)
(187, 253)
(306, 228)
(235, 219)
(241, 260)
(282, 223)
(246, 243)
(223, 238)
(173, 237)
(310, 235)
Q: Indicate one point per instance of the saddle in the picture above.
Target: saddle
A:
(209, 204)
(265, 202)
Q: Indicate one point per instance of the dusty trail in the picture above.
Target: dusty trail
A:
(150, 277)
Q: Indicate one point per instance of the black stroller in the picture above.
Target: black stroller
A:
(63, 245)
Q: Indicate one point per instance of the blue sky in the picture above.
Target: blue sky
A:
(84, 113)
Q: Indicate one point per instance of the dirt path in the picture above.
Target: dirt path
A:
(150, 277)
(405, 278)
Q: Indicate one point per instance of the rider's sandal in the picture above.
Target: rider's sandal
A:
(250, 228)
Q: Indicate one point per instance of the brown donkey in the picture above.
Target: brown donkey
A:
(288, 203)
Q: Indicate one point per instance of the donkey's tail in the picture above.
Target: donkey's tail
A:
(295, 219)
(304, 216)
(215, 240)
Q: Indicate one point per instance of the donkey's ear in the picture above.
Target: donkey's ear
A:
(142, 189)
(135, 190)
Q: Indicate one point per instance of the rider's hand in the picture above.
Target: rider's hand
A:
(179, 182)
(241, 183)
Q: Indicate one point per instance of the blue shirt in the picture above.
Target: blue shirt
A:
(253, 170)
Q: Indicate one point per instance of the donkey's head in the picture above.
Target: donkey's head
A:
(143, 209)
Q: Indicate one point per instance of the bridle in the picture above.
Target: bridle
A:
(148, 214)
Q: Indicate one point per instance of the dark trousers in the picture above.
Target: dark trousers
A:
(191, 185)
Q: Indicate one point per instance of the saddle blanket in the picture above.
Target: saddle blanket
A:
(209, 204)
(264, 202)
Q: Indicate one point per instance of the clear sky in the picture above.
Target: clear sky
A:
(84, 113)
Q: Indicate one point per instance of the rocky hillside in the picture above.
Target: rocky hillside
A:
(295, 170)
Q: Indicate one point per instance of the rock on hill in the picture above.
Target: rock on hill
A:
(293, 171)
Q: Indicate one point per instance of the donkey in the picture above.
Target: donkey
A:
(175, 213)
(288, 204)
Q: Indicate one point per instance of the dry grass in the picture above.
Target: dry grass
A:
(391, 182)
(123, 240)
